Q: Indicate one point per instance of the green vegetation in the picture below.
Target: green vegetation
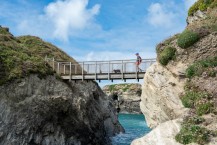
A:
(195, 120)
(198, 68)
(4, 31)
(200, 101)
(204, 108)
(190, 98)
(192, 133)
(166, 42)
(202, 5)
(187, 39)
(112, 88)
(166, 55)
(25, 55)
(123, 87)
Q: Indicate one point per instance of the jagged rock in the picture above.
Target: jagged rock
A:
(129, 97)
(164, 85)
(197, 16)
(160, 96)
(51, 112)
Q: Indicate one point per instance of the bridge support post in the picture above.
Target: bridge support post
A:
(122, 69)
(95, 70)
(82, 71)
(109, 70)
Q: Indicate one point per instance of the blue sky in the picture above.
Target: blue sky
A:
(97, 29)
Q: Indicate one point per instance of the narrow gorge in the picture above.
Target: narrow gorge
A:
(125, 97)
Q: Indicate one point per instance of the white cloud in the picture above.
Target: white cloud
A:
(160, 16)
(70, 15)
(60, 19)
(189, 3)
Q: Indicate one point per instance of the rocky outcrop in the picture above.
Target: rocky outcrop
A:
(48, 111)
(165, 85)
(129, 97)
(160, 96)
(197, 16)
(161, 135)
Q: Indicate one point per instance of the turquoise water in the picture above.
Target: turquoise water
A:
(135, 127)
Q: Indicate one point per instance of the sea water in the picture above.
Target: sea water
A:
(135, 127)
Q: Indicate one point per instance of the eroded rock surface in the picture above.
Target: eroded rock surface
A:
(129, 97)
(161, 135)
(51, 112)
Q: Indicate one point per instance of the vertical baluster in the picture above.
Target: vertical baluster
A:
(82, 71)
(70, 71)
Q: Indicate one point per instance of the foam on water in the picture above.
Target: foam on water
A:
(135, 127)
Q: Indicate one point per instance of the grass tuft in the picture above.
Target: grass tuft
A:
(199, 67)
(202, 5)
(167, 55)
(187, 39)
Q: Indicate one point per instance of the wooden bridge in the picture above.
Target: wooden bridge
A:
(100, 70)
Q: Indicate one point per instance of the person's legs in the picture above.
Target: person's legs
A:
(139, 69)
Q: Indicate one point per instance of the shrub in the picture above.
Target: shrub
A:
(166, 55)
(190, 98)
(202, 5)
(190, 133)
(200, 101)
(197, 68)
(194, 120)
(213, 4)
(204, 108)
(187, 39)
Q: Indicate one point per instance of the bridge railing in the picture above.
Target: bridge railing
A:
(122, 66)
(98, 67)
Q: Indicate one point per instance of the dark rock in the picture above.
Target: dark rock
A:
(50, 112)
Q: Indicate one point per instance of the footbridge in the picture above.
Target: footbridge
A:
(100, 70)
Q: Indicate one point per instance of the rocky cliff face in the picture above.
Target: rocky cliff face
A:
(38, 108)
(129, 97)
(178, 93)
(48, 111)
(160, 96)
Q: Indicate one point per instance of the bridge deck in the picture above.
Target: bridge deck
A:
(100, 70)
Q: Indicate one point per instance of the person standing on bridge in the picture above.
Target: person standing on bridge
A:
(138, 62)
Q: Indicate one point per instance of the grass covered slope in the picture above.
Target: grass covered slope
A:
(202, 5)
(21, 56)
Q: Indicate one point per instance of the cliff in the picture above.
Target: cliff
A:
(179, 98)
(129, 97)
(37, 107)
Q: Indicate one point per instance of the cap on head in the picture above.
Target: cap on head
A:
(137, 53)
